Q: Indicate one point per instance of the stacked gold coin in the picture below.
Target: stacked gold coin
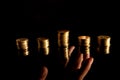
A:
(84, 44)
(43, 43)
(22, 46)
(63, 38)
(104, 43)
(63, 44)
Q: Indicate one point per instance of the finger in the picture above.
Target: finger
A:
(44, 73)
(71, 50)
(86, 68)
(86, 56)
(78, 62)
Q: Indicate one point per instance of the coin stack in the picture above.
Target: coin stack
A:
(63, 38)
(22, 46)
(84, 44)
(43, 44)
(63, 44)
(104, 44)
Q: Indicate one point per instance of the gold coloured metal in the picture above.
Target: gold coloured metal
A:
(43, 44)
(22, 45)
(104, 44)
(63, 38)
(84, 44)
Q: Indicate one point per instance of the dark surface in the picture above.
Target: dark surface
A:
(44, 18)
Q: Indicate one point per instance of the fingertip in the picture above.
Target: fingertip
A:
(72, 47)
(90, 60)
(71, 50)
(86, 56)
(45, 69)
(44, 73)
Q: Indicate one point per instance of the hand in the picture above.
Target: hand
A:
(76, 69)
(79, 66)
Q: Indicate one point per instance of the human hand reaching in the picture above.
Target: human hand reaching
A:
(76, 68)
(79, 66)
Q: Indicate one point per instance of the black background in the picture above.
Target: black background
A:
(93, 18)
